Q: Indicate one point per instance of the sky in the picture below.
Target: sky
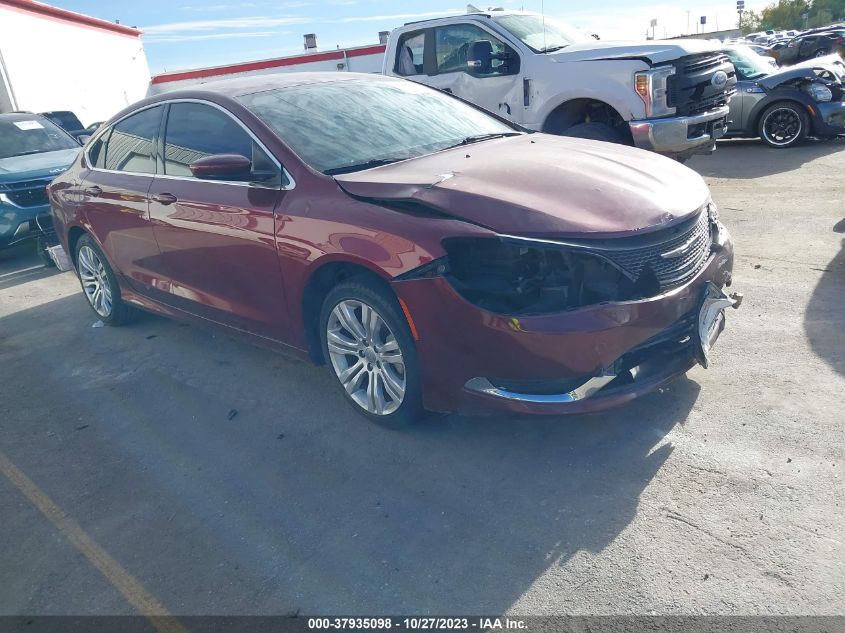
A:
(183, 34)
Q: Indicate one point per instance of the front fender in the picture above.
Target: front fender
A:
(609, 82)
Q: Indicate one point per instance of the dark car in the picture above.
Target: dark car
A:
(68, 121)
(783, 107)
(809, 45)
(433, 255)
(33, 151)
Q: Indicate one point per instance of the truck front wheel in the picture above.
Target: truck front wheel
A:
(594, 132)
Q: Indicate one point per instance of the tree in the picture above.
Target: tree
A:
(786, 14)
(750, 22)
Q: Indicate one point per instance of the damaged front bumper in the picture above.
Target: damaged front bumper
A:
(582, 360)
(681, 136)
(831, 118)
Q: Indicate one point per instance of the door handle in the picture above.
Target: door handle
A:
(165, 198)
(92, 191)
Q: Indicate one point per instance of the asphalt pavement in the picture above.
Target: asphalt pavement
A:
(162, 465)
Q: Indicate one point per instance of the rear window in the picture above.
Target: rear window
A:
(20, 136)
(66, 120)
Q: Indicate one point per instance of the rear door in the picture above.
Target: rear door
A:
(120, 169)
(217, 238)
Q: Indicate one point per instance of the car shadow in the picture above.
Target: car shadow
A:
(20, 264)
(236, 480)
(824, 319)
(751, 158)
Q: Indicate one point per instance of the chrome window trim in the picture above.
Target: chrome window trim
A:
(291, 183)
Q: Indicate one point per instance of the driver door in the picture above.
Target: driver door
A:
(497, 89)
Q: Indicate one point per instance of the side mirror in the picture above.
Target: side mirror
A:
(221, 166)
(480, 56)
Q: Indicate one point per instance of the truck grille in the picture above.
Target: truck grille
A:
(673, 260)
(691, 90)
(29, 193)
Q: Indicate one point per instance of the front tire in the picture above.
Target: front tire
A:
(783, 124)
(368, 347)
(99, 284)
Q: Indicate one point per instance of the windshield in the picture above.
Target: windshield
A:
(748, 64)
(542, 35)
(23, 135)
(355, 124)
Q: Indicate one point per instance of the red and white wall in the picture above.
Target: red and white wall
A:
(53, 59)
(361, 59)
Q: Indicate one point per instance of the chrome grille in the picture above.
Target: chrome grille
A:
(674, 261)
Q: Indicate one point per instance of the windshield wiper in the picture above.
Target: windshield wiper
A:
(376, 162)
(482, 137)
(552, 49)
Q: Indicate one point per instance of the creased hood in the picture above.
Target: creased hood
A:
(655, 52)
(777, 78)
(542, 186)
(32, 166)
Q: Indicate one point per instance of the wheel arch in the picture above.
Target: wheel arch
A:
(324, 275)
(568, 111)
(73, 236)
(778, 97)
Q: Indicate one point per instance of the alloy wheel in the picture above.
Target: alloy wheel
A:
(95, 281)
(366, 357)
(782, 126)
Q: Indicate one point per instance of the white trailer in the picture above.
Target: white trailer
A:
(360, 59)
(53, 59)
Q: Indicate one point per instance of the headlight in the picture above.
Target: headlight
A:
(652, 86)
(818, 91)
(513, 276)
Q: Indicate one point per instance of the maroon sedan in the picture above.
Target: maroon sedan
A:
(432, 255)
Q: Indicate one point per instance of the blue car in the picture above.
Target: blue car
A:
(33, 151)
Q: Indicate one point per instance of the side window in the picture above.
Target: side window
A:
(452, 44)
(410, 54)
(130, 146)
(97, 152)
(195, 130)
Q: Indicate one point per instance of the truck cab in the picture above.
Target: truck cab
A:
(670, 97)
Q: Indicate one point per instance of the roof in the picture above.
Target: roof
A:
(238, 86)
(63, 15)
(278, 62)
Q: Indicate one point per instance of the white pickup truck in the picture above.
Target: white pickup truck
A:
(667, 96)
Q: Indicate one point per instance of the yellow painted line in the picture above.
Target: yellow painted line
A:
(131, 589)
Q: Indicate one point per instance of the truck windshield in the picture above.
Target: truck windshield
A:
(350, 125)
(23, 135)
(541, 35)
(748, 64)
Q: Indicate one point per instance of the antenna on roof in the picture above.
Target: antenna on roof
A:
(473, 9)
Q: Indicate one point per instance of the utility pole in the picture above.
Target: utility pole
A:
(688, 12)
(740, 8)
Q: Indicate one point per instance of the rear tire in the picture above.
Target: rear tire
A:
(595, 132)
(99, 283)
(369, 349)
(783, 124)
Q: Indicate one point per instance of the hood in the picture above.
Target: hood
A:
(538, 185)
(654, 52)
(774, 80)
(832, 63)
(33, 166)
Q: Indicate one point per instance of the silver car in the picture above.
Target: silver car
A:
(783, 107)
